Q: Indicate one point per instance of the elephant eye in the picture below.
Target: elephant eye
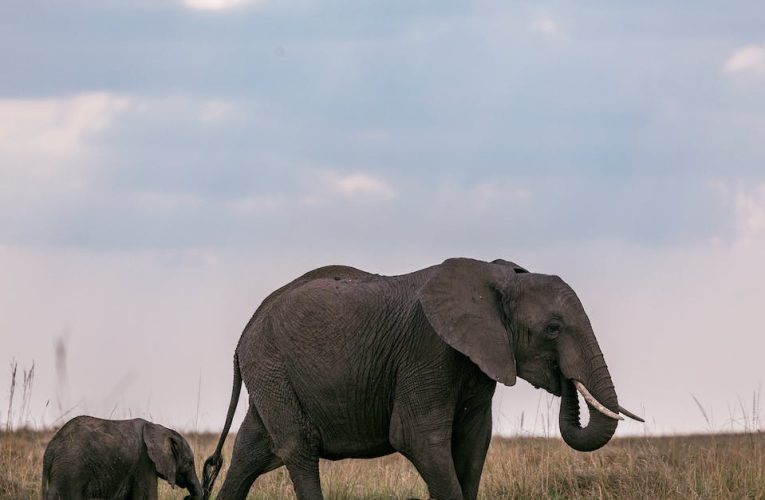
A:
(552, 330)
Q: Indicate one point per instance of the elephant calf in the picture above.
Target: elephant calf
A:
(95, 458)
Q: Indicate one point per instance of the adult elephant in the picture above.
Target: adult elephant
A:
(342, 363)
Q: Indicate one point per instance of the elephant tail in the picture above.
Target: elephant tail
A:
(214, 463)
(45, 476)
(44, 485)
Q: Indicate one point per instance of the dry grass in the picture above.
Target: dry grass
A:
(712, 466)
(708, 466)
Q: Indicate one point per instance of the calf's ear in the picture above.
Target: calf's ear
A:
(462, 302)
(162, 450)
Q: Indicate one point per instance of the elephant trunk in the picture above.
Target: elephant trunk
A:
(600, 427)
(195, 490)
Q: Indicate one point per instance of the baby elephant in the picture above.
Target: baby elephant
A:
(94, 458)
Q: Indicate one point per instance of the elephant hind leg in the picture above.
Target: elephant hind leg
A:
(302, 462)
(51, 493)
(251, 458)
(63, 489)
(295, 440)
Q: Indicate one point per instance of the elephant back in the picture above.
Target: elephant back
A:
(337, 272)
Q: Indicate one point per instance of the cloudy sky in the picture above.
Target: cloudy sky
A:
(166, 164)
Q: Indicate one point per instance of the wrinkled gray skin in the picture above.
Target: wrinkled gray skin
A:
(342, 363)
(119, 459)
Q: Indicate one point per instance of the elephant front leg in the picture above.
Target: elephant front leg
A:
(470, 442)
(144, 485)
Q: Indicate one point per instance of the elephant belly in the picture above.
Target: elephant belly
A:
(351, 423)
(338, 442)
(380, 449)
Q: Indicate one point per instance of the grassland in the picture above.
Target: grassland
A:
(710, 466)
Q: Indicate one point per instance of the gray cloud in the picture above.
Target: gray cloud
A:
(170, 166)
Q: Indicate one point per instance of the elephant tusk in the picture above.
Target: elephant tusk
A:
(630, 414)
(594, 402)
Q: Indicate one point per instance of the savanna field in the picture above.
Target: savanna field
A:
(708, 466)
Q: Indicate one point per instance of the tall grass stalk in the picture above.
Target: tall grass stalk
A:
(11, 392)
(26, 396)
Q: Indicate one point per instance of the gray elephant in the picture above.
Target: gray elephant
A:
(94, 458)
(342, 363)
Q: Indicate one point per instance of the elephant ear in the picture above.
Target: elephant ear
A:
(461, 301)
(515, 267)
(162, 450)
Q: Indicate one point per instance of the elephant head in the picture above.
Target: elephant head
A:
(172, 458)
(512, 323)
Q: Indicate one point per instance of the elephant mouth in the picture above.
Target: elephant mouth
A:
(548, 378)
(554, 386)
(549, 381)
